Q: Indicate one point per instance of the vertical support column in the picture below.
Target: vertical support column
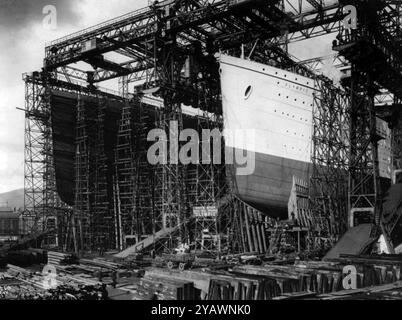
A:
(364, 186)
(331, 125)
(84, 173)
(40, 196)
(102, 221)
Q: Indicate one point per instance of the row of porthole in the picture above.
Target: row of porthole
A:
(288, 115)
(249, 90)
(287, 131)
(287, 97)
(293, 148)
(285, 76)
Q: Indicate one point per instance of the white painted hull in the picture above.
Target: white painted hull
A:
(278, 106)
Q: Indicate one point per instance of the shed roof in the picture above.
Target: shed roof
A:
(8, 213)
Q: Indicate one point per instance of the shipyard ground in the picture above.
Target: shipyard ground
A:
(247, 277)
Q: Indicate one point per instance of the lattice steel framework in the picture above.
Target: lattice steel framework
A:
(43, 208)
(134, 207)
(375, 58)
(397, 139)
(126, 173)
(102, 218)
(209, 182)
(330, 158)
(157, 40)
(84, 156)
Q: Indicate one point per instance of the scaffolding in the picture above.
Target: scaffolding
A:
(83, 191)
(375, 64)
(125, 176)
(101, 216)
(397, 138)
(159, 43)
(170, 200)
(92, 224)
(44, 210)
(134, 209)
(209, 184)
(330, 159)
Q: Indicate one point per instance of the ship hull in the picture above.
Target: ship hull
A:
(268, 188)
(271, 109)
(277, 106)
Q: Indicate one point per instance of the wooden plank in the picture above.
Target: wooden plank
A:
(249, 238)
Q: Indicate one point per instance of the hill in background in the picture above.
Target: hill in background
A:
(12, 199)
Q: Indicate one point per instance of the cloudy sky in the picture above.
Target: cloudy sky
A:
(22, 42)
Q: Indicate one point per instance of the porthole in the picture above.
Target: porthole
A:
(248, 92)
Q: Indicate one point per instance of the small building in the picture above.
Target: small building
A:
(9, 224)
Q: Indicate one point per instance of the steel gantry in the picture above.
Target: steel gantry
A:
(374, 50)
(168, 50)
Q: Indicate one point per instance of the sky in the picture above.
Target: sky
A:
(22, 46)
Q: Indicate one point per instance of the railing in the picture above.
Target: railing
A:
(98, 26)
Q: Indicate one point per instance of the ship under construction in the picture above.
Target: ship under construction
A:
(326, 156)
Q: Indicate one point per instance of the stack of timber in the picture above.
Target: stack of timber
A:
(392, 291)
(374, 269)
(223, 285)
(297, 279)
(28, 277)
(243, 290)
(102, 263)
(34, 285)
(139, 260)
(58, 258)
(16, 271)
(170, 288)
(327, 277)
(160, 287)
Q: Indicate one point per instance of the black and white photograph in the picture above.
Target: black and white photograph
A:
(200, 156)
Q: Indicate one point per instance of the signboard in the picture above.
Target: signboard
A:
(89, 45)
(205, 212)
